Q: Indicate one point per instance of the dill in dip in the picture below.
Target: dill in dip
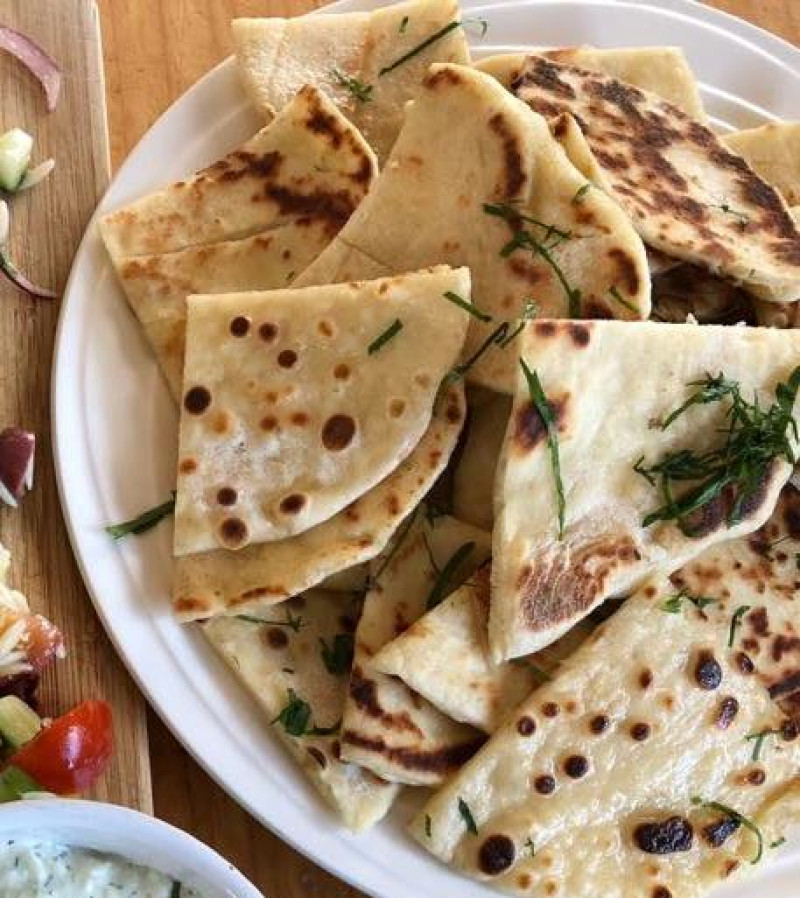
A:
(32, 869)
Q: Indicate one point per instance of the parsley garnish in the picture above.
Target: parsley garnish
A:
(615, 294)
(739, 818)
(736, 622)
(581, 193)
(146, 521)
(292, 622)
(382, 339)
(754, 438)
(545, 410)
(428, 830)
(759, 739)
(466, 816)
(338, 657)
(531, 847)
(674, 603)
(524, 239)
(361, 91)
(467, 306)
(295, 718)
(434, 38)
(442, 587)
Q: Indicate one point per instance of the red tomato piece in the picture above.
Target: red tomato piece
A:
(70, 754)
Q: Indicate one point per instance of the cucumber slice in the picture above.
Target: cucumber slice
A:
(18, 723)
(14, 783)
(15, 156)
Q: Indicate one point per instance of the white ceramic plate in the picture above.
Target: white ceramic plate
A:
(115, 427)
(128, 834)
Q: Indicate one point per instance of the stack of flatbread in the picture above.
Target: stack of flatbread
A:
(485, 457)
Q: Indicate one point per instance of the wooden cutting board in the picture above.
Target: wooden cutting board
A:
(47, 225)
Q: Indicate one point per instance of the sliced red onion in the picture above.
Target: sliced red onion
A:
(43, 67)
(9, 269)
(17, 451)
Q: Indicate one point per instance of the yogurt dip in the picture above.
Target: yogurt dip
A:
(34, 869)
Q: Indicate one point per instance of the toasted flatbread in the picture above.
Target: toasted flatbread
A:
(278, 660)
(444, 657)
(278, 56)
(603, 781)
(473, 478)
(611, 387)
(663, 70)
(251, 221)
(227, 583)
(685, 290)
(505, 156)
(386, 727)
(686, 194)
(774, 152)
(266, 451)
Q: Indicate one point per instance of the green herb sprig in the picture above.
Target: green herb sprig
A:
(673, 604)
(467, 817)
(292, 622)
(736, 622)
(446, 577)
(338, 656)
(432, 39)
(467, 306)
(144, 522)
(295, 718)
(739, 818)
(545, 410)
(753, 439)
(618, 297)
(758, 740)
(383, 338)
(361, 91)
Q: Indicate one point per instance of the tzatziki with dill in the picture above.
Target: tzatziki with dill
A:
(36, 869)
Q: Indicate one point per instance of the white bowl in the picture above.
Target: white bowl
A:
(130, 835)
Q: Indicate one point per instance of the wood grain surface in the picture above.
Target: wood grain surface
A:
(154, 50)
(47, 225)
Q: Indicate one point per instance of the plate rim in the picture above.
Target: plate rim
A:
(374, 880)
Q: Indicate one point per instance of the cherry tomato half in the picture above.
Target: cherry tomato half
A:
(70, 754)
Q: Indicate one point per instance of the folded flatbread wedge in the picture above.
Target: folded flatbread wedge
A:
(387, 728)
(297, 402)
(507, 204)
(614, 391)
(219, 582)
(656, 762)
(685, 192)
(251, 221)
(773, 151)
(444, 657)
(348, 56)
(295, 665)
(663, 70)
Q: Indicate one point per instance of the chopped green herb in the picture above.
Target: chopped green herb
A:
(338, 657)
(292, 622)
(428, 829)
(429, 41)
(524, 239)
(466, 816)
(581, 193)
(404, 25)
(736, 622)
(615, 294)
(726, 208)
(444, 581)
(530, 311)
(467, 306)
(531, 847)
(545, 410)
(146, 521)
(361, 91)
(382, 339)
(295, 718)
(754, 438)
(674, 603)
(758, 739)
(778, 842)
(739, 818)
